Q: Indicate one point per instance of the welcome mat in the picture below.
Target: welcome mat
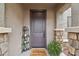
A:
(38, 52)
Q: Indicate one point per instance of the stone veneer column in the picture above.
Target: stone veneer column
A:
(74, 43)
(3, 44)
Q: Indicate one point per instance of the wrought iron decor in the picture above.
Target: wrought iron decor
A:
(25, 39)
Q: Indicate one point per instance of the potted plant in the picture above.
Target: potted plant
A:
(54, 48)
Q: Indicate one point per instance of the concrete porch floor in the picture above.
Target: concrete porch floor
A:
(28, 52)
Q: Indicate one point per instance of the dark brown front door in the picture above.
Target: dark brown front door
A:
(38, 28)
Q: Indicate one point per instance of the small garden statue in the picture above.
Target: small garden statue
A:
(25, 39)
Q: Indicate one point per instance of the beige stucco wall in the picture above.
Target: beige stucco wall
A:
(49, 20)
(61, 15)
(2, 14)
(14, 20)
(75, 14)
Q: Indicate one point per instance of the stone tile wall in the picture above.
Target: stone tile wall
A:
(3, 45)
(74, 43)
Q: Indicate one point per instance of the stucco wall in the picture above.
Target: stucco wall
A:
(49, 20)
(61, 16)
(2, 14)
(14, 20)
(75, 14)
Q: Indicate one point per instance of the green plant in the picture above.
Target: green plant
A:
(54, 48)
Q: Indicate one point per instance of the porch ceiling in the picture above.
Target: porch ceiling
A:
(40, 5)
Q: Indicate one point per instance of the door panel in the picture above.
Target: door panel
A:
(38, 28)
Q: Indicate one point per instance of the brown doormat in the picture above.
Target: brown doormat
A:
(38, 52)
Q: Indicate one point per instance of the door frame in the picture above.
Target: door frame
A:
(45, 25)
